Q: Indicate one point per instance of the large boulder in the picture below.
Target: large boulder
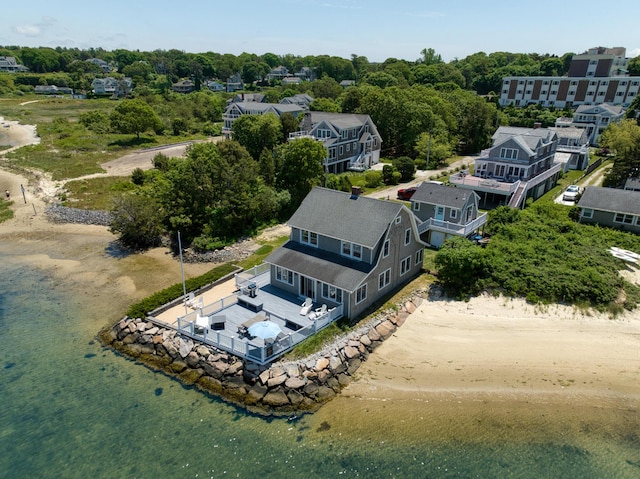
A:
(276, 398)
(385, 329)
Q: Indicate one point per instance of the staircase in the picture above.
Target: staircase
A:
(516, 198)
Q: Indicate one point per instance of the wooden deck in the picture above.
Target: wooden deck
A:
(224, 324)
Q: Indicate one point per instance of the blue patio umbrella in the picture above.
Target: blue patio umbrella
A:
(264, 329)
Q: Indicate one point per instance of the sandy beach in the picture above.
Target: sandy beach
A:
(487, 347)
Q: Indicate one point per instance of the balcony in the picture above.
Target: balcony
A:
(452, 228)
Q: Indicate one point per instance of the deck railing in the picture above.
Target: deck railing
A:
(239, 346)
(452, 228)
(260, 275)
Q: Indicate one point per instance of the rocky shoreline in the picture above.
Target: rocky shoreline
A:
(283, 388)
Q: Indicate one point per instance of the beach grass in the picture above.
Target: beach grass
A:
(68, 149)
(96, 193)
(5, 212)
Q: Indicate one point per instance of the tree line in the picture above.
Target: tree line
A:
(480, 72)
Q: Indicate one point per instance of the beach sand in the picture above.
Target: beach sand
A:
(487, 349)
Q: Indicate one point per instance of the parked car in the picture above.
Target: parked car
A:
(406, 193)
(571, 193)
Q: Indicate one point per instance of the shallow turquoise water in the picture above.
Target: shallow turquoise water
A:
(71, 409)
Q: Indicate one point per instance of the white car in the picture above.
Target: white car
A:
(571, 193)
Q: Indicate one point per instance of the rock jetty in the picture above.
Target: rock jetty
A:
(277, 389)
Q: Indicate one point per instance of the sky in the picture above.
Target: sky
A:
(375, 29)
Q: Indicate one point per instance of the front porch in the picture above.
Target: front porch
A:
(225, 323)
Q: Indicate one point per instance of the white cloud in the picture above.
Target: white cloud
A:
(36, 29)
(634, 52)
(28, 30)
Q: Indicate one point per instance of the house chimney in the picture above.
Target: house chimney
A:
(355, 192)
(537, 125)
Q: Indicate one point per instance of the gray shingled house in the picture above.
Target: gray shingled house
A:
(611, 207)
(443, 212)
(518, 165)
(347, 250)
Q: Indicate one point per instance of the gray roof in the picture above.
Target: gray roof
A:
(611, 109)
(435, 194)
(630, 184)
(340, 120)
(531, 137)
(320, 265)
(342, 216)
(611, 200)
(569, 132)
(257, 107)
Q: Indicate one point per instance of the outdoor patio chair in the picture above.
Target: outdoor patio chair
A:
(201, 323)
(306, 306)
(318, 312)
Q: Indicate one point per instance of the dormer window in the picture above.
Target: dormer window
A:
(352, 250)
(309, 237)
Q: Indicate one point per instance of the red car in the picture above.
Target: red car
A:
(406, 193)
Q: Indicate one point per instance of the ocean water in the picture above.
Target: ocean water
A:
(71, 409)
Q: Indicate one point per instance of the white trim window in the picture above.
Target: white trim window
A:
(405, 265)
(587, 213)
(309, 237)
(407, 236)
(419, 256)
(385, 249)
(284, 275)
(398, 219)
(384, 279)
(331, 293)
(453, 213)
(352, 250)
(416, 206)
(624, 219)
(509, 153)
(361, 294)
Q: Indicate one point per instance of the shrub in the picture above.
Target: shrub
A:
(406, 167)
(137, 177)
(373, 178)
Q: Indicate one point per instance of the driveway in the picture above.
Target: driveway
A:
(593, 179)
(421, 175)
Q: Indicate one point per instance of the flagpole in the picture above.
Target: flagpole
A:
(184, 286)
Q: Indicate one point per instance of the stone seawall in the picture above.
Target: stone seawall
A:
(281, 388)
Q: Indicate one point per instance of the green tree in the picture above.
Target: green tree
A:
(430, 57)
(140, 72)
(623, 139)
(406, 167)
(325, 104)
(634, 66)
(289, 125)
(257, 132)
(137, 219)
(433, 149)
(134, 116)
(326, 87)
(300, 167)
